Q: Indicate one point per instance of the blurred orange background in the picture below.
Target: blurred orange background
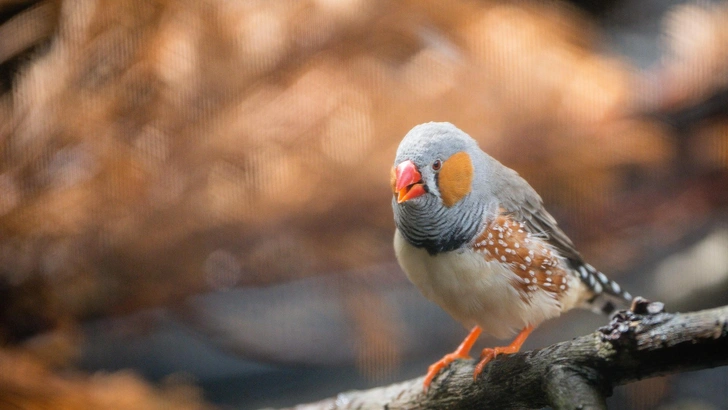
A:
(194, 199)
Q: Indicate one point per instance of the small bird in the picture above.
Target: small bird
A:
(474, 237)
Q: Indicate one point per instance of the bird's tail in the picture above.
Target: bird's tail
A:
(607, 294)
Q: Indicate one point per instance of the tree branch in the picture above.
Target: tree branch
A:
(573, 388)
(640, 343)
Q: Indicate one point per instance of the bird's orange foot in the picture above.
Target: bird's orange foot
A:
(489, 353)
(486, 356)
(435, 368)
(462, 352)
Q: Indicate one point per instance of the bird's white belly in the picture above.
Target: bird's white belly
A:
(473, 290)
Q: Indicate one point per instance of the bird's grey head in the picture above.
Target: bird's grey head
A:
(435, 172)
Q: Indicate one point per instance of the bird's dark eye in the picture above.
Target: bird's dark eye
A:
(436, 165)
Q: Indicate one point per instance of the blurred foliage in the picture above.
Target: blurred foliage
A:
(152, 150)
(31, 385)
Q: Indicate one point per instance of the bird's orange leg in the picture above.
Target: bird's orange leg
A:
(462, 352)
(489, 353)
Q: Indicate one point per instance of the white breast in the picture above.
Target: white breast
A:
(475, 291)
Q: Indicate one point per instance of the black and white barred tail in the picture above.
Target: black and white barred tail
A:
(608, 295)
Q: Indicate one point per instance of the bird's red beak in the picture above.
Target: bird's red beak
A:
(408, 182)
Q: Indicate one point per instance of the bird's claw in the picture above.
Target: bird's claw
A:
(486, 356)
(436, 367)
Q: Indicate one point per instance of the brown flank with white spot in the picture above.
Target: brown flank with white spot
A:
(509, 242)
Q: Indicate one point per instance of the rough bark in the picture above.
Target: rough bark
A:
(578, 374)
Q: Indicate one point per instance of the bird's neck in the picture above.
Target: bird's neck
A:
(438, 229)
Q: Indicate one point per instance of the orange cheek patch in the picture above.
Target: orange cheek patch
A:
(393, 180)
(456, 176)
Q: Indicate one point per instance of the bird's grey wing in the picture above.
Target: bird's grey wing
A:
(521, 201)
(540, 222)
